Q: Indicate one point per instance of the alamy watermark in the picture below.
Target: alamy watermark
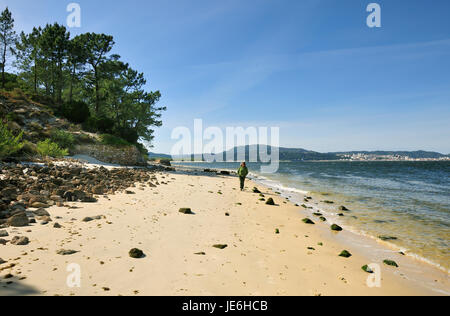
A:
(74, 18)
(74, 278)
(374, 18)
(374, 279)
(214, 144)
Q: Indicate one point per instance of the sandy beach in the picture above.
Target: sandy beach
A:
(270, 251)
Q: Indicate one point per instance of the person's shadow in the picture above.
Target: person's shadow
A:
(16, 288)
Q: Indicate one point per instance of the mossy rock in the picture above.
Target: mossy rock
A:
(366, 269)
(136, 253)
(307, 221)
(220, 246)
(345, 254)
(320, 244)
(186, 211)
(270, 201)
(262, 199)
(323, 219)
(304, 206)
(238, 203)
(328, 202)
(262, 195)
(390, 263)
(277, 231)
(317, 214)
(336, 228)
(255, 190)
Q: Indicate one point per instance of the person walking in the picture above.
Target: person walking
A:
(242, 173)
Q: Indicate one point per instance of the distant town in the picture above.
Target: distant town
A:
(374, 157)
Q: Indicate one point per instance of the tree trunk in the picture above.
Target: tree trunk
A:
(3, 66)
(97, 92)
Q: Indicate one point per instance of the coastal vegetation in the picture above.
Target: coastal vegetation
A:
(76, 78)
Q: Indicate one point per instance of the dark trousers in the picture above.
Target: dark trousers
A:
(242, 179)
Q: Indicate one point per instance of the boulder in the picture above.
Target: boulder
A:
(220, 246)
(20, 241)
(307, 221)
(3, 233)
(41, 212)
(186, 211)
(336, 228)
(345, 254)
(390, 263)
(19, 220)
(136, 253)
(65, 252)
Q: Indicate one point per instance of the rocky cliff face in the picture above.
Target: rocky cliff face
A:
(37, 121)
(126, 156)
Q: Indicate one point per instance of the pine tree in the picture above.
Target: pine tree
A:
(7, 39)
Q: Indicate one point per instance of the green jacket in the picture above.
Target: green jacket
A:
(242, 172)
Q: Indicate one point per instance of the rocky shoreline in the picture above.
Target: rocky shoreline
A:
(26, 190)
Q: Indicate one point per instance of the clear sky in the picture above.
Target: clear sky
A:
(311, 67)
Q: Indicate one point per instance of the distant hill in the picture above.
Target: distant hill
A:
(300, 154)
(291, 154)
(155, 155)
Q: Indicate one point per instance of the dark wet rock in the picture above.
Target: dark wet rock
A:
(200, 253)
(307, 221)
(387, 238)
(20, 241)
(341, 214)
(328, 202)
(2, 261)
(270, 201)
(345, 254)
(8, 276)
(130, 192)
(3, 233)
(136, 253)
(311, 248)
(336, 228)
(343, 208)
(277, 231)
(323, 219)
(255, 190)
(66, 252)
(18, 220)
(317, 214)
(390, 263)
(3, 242)
(186, 211)
(220, 246)
(225, 173)
(367, 269)
(57, 225)
(227, 214)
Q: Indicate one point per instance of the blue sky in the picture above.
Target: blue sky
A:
(311, 67)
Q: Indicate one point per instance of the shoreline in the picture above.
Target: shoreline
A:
(256, 261)
(354, 234)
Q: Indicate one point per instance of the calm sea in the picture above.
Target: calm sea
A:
(406, 200)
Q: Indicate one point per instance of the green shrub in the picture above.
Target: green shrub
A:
(63, 139)
(99, 124)
(9, 144)
(129, 134)
(112, 140)
(49, 149)
(76, 112)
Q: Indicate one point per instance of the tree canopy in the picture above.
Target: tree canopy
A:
(82, 79)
